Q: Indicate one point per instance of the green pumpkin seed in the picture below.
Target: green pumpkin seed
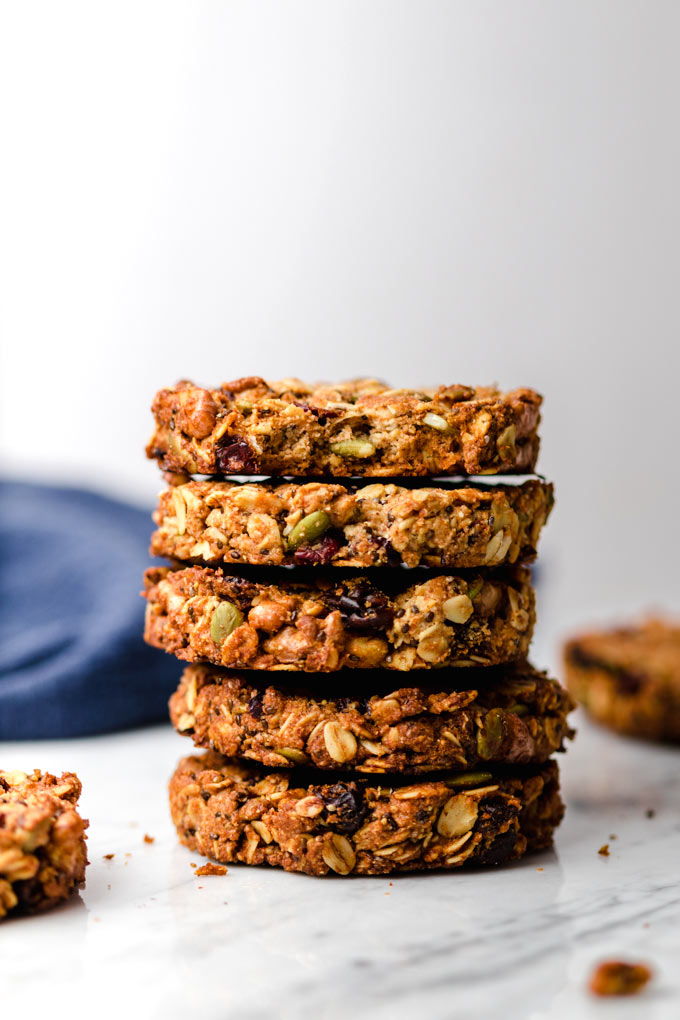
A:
(435, 421)
(225, 619)
(309, 529)
(490, 735)
(469, 779)
(505, 444)
(518, 709)
(353, 448)
(293, 755)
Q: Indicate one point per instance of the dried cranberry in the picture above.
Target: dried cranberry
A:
(236, 458)
(319, 554)
(344, 804)
(322, 414)
(255, 706)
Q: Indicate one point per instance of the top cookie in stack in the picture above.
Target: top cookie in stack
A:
(232, 602)
(362, 427)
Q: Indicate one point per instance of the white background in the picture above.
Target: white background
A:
(428, 192)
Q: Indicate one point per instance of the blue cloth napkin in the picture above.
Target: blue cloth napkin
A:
(72, 658)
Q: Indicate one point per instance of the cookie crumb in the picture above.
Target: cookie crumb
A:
(148, 838)
(604, 850)
(616, 977)
(612, 835)
(539, 869)
(109, 857)
(211, 869)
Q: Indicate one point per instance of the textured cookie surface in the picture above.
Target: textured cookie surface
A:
(462, 719)
(253, 427)
(628, 678)
(322, 626)
(42, 840)
(326, 524)
(298, 821)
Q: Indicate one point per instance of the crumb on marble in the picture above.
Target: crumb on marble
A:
(128, 855)
(650, 812)
(211, 869)
(604, 850)
(612, 835)
(616, 977)
(148, 838)
(109, 857)
(539, 869)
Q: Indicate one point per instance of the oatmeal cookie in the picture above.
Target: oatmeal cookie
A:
(322, 523)
(321, 625)
(505, 714)
(629, 678)
(298, 821)
(42, 840)
(362, 427)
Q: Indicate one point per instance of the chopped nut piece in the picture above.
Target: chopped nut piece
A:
(458, 609)
(616, 977)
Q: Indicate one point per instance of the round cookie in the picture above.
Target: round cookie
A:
(214, 523)
(253, 427)
(321, 625)
(296, 820)
(511, 714)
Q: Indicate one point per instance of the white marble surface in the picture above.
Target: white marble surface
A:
(148, 937)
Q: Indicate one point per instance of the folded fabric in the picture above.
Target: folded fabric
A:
(72, 659)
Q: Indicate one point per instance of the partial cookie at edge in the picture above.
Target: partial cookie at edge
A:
(42, 840)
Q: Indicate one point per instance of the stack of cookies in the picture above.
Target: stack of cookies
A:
(301, 605)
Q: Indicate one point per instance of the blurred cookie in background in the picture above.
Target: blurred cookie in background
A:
(628, 678)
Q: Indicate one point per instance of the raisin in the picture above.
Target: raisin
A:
(390, 554)
(501, 848)
(344, 806)
(362, 607)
